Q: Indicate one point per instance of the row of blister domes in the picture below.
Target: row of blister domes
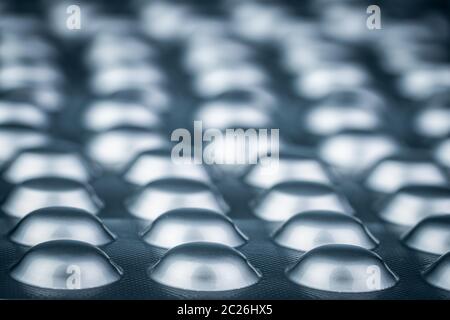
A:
(302, 232)
(336, 242)
(301, 183)
(317, 218)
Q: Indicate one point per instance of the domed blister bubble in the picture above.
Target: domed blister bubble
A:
(111, 49)
(411, 204)
(14, 75)
(133, 76)
(155, 98)
(205, 54)
(348, 109)
(422, 83)
(442, 153)
(47, 192)
(311, 229)
(431, 235)
(223, 78)
(163, 195)
(185, 225)
(289, 167)
(399, 56)
(394, 172)
(223, 114)
(116, 147)
(211, 32)
(330, 78)
(433, 119)
(47, 98)
(287, 199)
(259, 97)
(298, 57)
(163, 21)
(342, 268)
(60, 223)
(23, 114)
(438, 274)
(204, 27)
(231, 155)
(65, 265)
(433, 122)
(116, 29)
(157, 164)
(57, 159)
(331, 117)
(16, 138)
(109, 113)
(204, 266)
(339, 22)
(17, 47)
(355, 151)
(258, 22)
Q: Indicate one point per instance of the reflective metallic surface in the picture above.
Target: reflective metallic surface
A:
(311, 229)
(342, 268)
(60, 223)
(411, 204)
(163, 195)
(431, 235)
(185, 225)
(204, 267)
(48, 192)
(438, 274)
(287, 199)
(65, 265)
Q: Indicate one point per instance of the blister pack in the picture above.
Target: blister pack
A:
(224, 150)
